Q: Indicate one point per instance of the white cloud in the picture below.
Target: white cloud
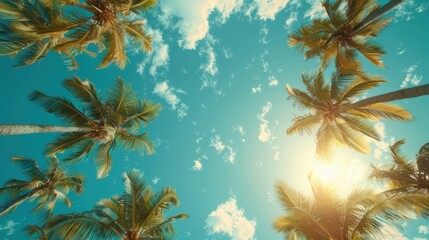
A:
(406, 10)
(227, 53)
(210, 66)
(193, 17)
(316, 10)
(155, 180)
(423, 229)
(229, 220)
(381, 146)
(219, 146)
(265, 65)
(293, 17)
(417, 238)
(411, 78)
(256, 89)
(264, 131)
(264, 34)
(273, 81)
(267, 9)
(168, 93)
(158, 57)
(276, 153)
(198, 166)
(9, 227)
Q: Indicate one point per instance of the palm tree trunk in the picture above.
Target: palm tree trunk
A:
(18, 201)
(16, 129)
(377, 14)
(387, 97)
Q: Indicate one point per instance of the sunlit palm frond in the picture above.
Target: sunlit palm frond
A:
(29, 167)
(137, 214)
(138, 36)
(103, 160)
(120, 96)
(303, 124)
(66, 141)
(377, 111)
(86, 92)
(132, 142)
(62, 108)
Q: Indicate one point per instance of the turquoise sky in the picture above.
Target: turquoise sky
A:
(219, 68)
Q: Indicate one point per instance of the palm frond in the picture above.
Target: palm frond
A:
(131, 141)
(62, 108)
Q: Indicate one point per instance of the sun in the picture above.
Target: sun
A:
(325, 172)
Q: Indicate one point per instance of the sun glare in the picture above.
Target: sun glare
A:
(344, 173)
(325, 171)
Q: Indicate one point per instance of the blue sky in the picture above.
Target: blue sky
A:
(219, 68)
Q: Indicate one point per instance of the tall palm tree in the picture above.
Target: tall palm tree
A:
(137, 214)
(347, 30)
(403, 176)
(326, 216)
(342, 120)
(70, 26)
(44, 186)
(101, 124)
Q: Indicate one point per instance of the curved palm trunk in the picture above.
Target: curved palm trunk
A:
(17, 129)
(18, 201)
(378, 13)
(387, 97)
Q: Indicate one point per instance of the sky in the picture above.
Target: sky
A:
(219, 68)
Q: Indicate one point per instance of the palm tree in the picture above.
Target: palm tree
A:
(403, 176)
(325, 216)
(342, 120)
(117, 120)
(44, 186)
(137, 214)
(70, 26)
(347, 30)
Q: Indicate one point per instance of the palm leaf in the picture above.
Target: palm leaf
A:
(62, 108)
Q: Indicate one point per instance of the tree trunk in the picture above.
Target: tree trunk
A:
(387, 97)
(17, 202)
(16, 129)
(377, 14)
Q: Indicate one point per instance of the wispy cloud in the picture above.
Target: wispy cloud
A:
(268, 9)
(228, 219)
(423, 229)
(168, 93)
(158, 57)
(272, 81)
(9, 227)
(220, 147)
(316, 10)
(198, 166)
(411, 78)
(408, 9)
(293, 17)
(191, 17)
(381, 146)
(264, 34)
(264, 131)
(155, 180)
(257, 89)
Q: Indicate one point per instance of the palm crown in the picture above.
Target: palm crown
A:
(44, 186)
(70, 26)
(325, 216)
(329, 105)
(137, 214)
(403, 176)
(117, 120)
(340, 35)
